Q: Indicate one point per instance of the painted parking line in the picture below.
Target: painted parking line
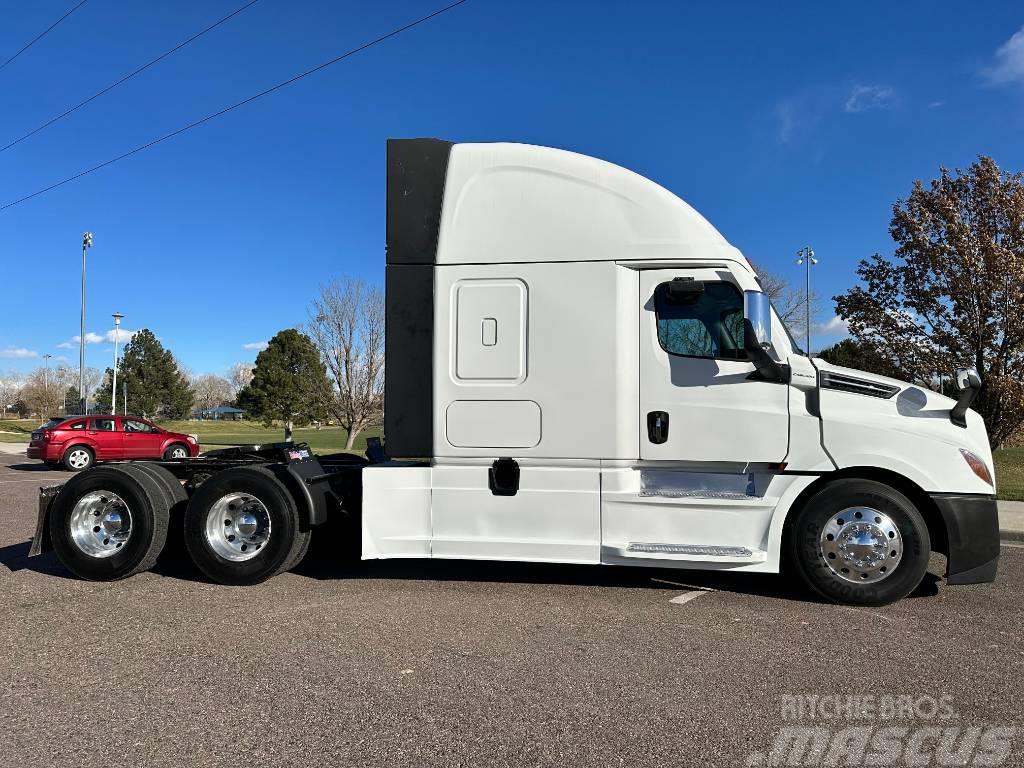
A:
(25, 480)
(688, 596)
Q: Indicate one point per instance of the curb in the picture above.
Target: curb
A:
(1014, 536)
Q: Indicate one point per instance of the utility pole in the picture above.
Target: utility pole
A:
(805, 256)
(86, 245)
(113, 384)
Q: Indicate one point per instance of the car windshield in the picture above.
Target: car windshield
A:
(53, 423)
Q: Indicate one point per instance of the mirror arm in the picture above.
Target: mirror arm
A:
(958, 413)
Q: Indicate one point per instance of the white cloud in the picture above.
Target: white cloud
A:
(124, 335)
(1008, 62)
(18, 353)
(835, 327)
(867, 97)
(258, 346)
(936, 104)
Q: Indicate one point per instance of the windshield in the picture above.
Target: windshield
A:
(53, 423)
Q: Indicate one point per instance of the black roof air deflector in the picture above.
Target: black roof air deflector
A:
(416, 175)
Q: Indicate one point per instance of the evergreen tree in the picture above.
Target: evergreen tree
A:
(156, 388)
(289, 383)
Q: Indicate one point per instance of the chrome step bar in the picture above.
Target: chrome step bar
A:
(708, 550)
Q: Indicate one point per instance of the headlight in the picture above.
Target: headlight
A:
(977, 466)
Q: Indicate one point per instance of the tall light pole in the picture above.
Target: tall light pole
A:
(113, 385)
(805, 256)
(86, 245)
(46, 372)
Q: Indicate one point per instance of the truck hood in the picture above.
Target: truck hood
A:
(911, 426)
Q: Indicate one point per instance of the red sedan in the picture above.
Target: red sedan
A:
(77, 442)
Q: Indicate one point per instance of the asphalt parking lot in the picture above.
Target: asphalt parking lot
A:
(465, 664)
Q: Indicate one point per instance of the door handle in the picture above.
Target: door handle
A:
(657, 427)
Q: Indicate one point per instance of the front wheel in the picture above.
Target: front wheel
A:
(242, 527)
(176, 451)
(859, 542)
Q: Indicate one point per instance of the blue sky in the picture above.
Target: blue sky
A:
(784, 124)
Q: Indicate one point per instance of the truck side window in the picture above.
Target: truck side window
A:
(708, 324)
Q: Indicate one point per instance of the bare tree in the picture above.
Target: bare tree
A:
(93, 378)
(211, 390)
(346, 323)
(42, 396)
(10, 390)
(789, 300)
(239, 376)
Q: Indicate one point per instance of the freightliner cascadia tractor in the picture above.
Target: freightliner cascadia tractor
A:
(580, 369)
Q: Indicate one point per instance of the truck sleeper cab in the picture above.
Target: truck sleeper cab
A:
(589, 331)
(581, 369)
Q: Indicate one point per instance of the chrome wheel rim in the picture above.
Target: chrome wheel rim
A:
(100, 523)
(861, 545)
(178, 453)
(79, 458)
(237, 526)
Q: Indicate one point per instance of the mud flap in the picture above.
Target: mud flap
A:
(41, 541)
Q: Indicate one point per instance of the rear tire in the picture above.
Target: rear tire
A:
(108, 523)
(177, 501)
(242, 527)
(78, 458)
(859, 542)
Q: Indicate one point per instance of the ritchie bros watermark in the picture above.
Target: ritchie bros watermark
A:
(888, 730)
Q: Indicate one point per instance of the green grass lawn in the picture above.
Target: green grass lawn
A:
(219, 434)
(17, 430)
(1010, 473)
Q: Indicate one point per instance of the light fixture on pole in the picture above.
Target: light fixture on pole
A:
(805, 256)
(86, 245)
(113, 384)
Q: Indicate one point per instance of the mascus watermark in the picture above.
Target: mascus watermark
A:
(869, 730)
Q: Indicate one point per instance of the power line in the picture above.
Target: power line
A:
(42, 34)
(236, 105)
(127, 77)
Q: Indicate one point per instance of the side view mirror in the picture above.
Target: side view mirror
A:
(757, 336)
(969, 383)
(757, 315)
(967, 378)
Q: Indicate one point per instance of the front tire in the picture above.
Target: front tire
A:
(176, 451)
(108, 523)
(78, 458)
(859, 542)
(242, 527)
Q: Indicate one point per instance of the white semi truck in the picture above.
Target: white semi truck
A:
(580, 369)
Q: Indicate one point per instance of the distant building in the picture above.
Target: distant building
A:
(220, 413)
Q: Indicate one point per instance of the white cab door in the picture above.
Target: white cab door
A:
(694, 371)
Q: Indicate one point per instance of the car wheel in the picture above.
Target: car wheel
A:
(108, 523)
(242, 527)
(78, 458)
(859, 542)
(177, 451)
